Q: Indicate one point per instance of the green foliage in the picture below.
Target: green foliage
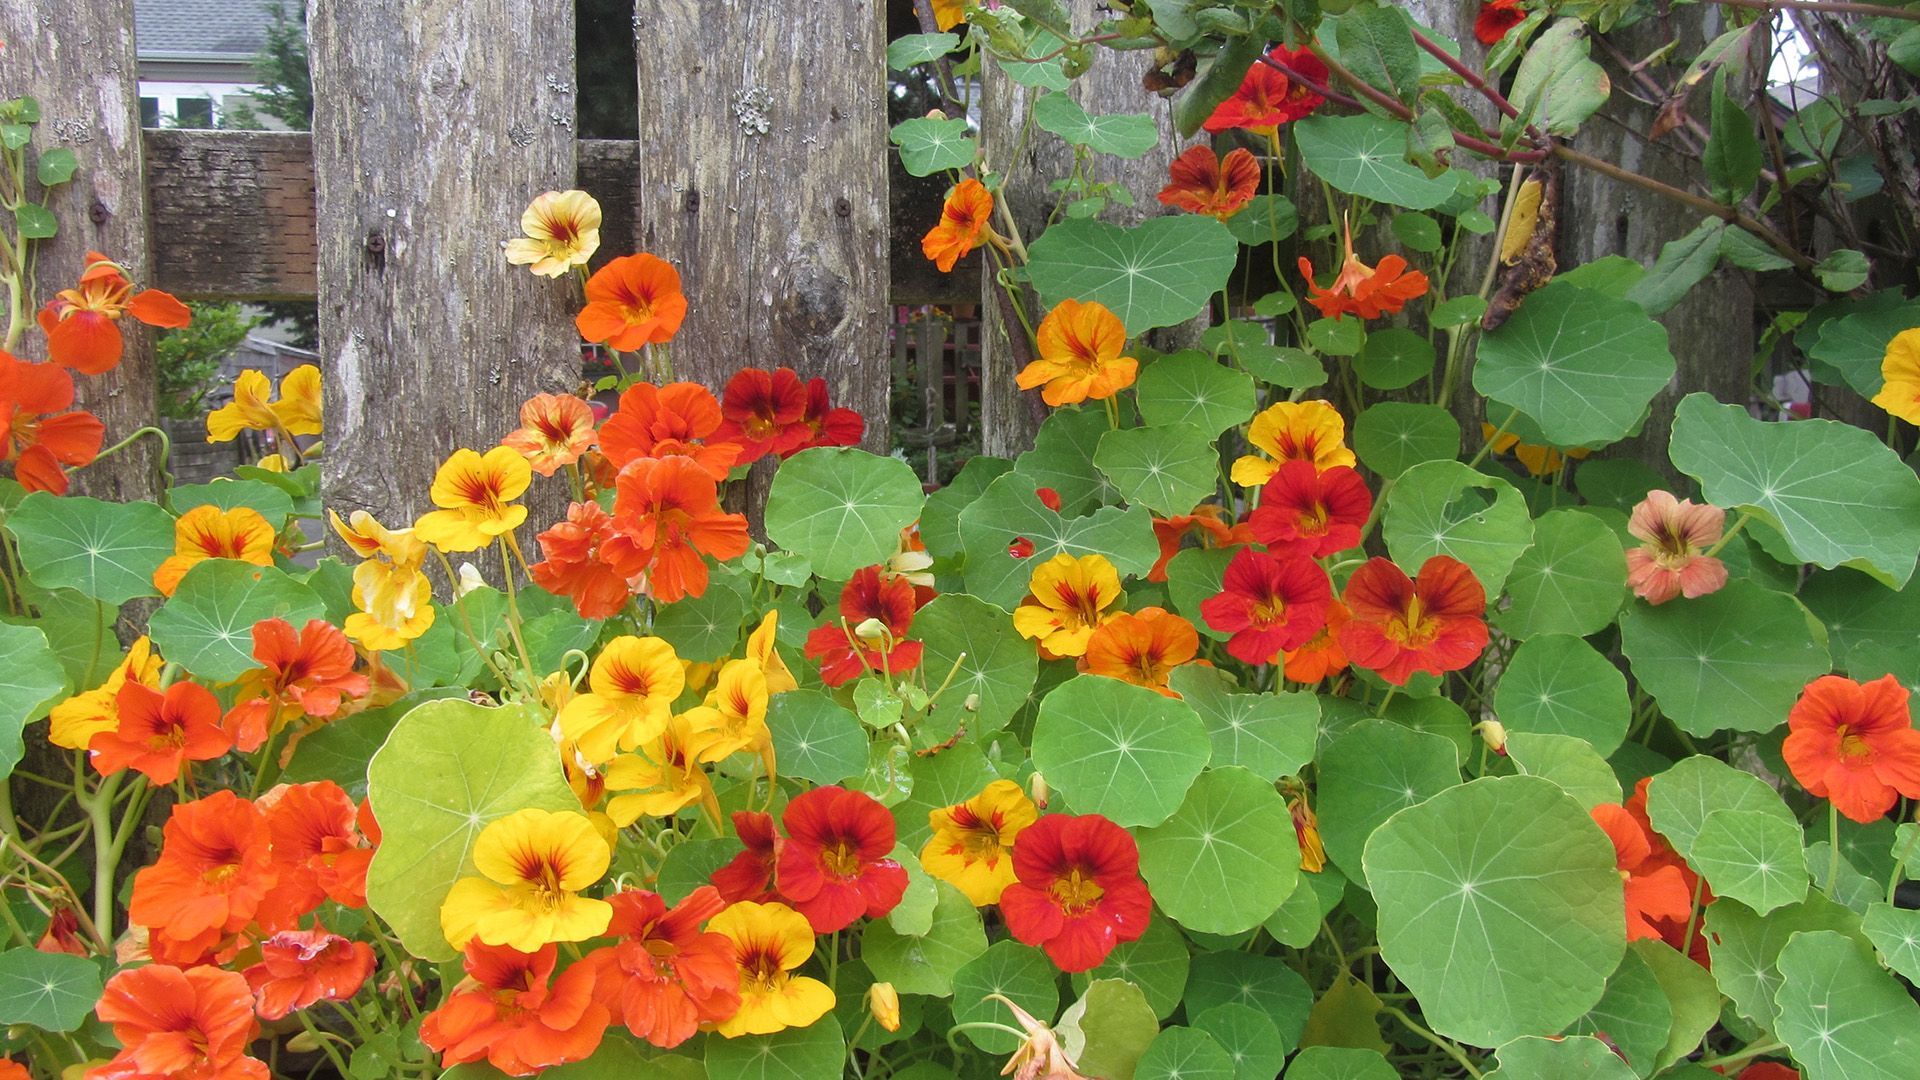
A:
(187, 361)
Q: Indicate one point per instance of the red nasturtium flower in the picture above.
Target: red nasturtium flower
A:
(670, 509)
(1141, 648)
(214, 871)
(834, 867)
(763, 411)
(966, 222)
(1366, 291)
(588, 561)
(1321, 656)
(506, 1012)
(1208, 521)
(663, 976)
(1435, 622)
(1269, 603)
(82, 324)
(1267, 98)
(1656, 890)
(160, 731)
(1768, 1070)
(848, 651)
(1202, 182)
(676, 420)
(309, 673)
(749, 876)
(1078, 892)
(1080, 346)
(1496, 17)
(319, 852)
(1672, 560)
(184, 1024)
(1309, 511)
(555, 429)
(300, 967)
(1854, 743)
(37, 433)
(824, 423)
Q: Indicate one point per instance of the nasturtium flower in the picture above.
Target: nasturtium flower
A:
(1080, 345)
(74, 722)
(1078, 892)
(825, 424)
(160, 731)
(304, 673)
(770, 942)
(1068, 598)
(844, 653)
(1366, 291)
(834, 867)
(1306, 833)
(588, 561)
(38, 433)
(634, 300)
(734, 716)
(82, 324)
(512, 1013)
(562, 231)
(475, 494)
(1202, 182)
(1900, 396)
(1495, 18)
(749, 875)
(762, 648)
(298, 409)
(761, 412)
(948, 14)
(533, 864)
(193, 1024)
(211, 532)
(214, 872)
(297, 412)
(670, 509)
(1655, 890)
(298, 968)
(1141, 647)
(1268, 603)
(1305, 510)
(1208, 521)
(680, 419)
(972, 843)
(1538, 460)
(1040, 1056)
(1435, 622)
(395, 600)
(1267, 98)
(555, 429)
(1672, 558)
(632, 685)
(966, 222)
(1289, 430)
(660, 779)
(883, 1004)
(1854, 743)
(1321, 657)
(663, 976)
(319, 850)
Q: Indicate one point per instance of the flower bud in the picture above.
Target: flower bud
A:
(1038, 786)
(470, 580)
(1494, 734)
(870, 630)
(972, 704)
(935, 114)
(304, 1042)
(883, 1001)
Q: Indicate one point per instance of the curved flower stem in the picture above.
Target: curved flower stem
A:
(1740, 1056)
(1458, 1055)
(1738, 524)
(324, 1040)
(981, 1025)
(1495, 437)
(1693, 913)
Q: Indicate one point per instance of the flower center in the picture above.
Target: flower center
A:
(840, 860)
(1853, 745)
(1267, 610)
(1413, 630)
(1076, 891)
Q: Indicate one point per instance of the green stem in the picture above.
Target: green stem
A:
(1741, 1055)
(1459, 1056)
(1833, 852)
(1738, 524)
(106, 855)
(1493, 438)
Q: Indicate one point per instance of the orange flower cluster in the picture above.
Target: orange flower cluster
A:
(1366, 291)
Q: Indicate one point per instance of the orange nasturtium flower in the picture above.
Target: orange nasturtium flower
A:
(670, 508)
(533, 864)
(1901, 370)
(1293, 430)
(214, 873)
(1321, 656)
(74, 722)
(1202, 182)
(1854, 743)
(1080, 346)
(588, 561)
(1434, 622)
(37, 434)
(1362, 290)
(174, 1023)
(1306, 833)
(632, 301)
(1656, 890)
(676, 420)
(298, 968)
(512, 1013)
(1141, 648)
(209, 532)
(1068, 598)
(972, 843)
(562, 231)
(160, 732)
(475, 494)
(82, 324)
(771, 941)
(663, 976)
(633, 683)
(395, 599)
(948, 14)
(966, 222)
(555, 429)
(308, 672)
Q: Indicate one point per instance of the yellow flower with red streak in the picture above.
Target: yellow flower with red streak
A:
(966, 222)
(631, 689)
(661, 779)
(1900, 396)
(1306, 833)
(1293, 431)
(562, 231)
(394, 597)
(1069, 598)
(475, 494)
(209, 532)
(1080, 346)
(972, 843)
(734, 716)
(770, 942)
(298, 409)
(74, 722)
(533, 864)
(253, 409)
(1141, 648)
(761, 648)
(555, 429)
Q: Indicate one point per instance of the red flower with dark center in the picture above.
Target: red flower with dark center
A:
(1202, 182)
(1434, 623)
(300, 967)
(173, 1023)
(506, 1012)
(676, 420)
(1854, 743)
(214, 871)
(833, 867)
(1269, 603)
(844, 654)
(1267, 98)
(588, 561)
(763, 412)
(749, 877)
(663, 977)
(1207, 519)
(36, 434)
(318, 852)
(1306, 511)
(1496, 17)
(825, 425)
(309, 673)
(159, 732)
(1079, 891)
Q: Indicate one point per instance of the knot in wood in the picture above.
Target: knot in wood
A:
(693, 202)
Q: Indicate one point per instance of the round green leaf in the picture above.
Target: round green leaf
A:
(940, 517)
(1266, 219)
(1393, 358)
(1158, 273)
(803, 1053)
(928, 145)
(1012, 970)
(1446, 508)
(1571, 581)
(704, 628)
(690, 863)
(1222, 863)
(904, 52)
(1192, 388)
(1009, 511)
(30, 681)
(1117, 749)
(1062, 459)
(1183, 1053)
(207, 625)
(1336, 337)
(1194, 576)
(1256, 1046)
(51, 991)
(1500, 908)
(1895, 933)
(1559, 685)
(1571, 763)
(1752, 856)
(1393, 436)
(1565, 1058)
(1366, 155)
(1581, 364)
(926, 963)
(993, 669)
(1736, 659)
(1269, 735)
(1108, 1029)
(1339, 1063)
(1167, 468)
(448, 769)
(1371, 772)
(951, 776)
(1680, 799)
(1266, 983)
(1297, 922)
(1156, 962)
(1862, 616)
(842, 508)
(815, 737)
(1745, 948)
(1844, 1017)
(1126, 135)
(1633, 1014)
(105, 550)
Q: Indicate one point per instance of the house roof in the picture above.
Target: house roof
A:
(202, 29)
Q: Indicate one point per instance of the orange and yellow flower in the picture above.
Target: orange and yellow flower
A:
(395, 599)
(298, 409)
(1068, 598)
(82, 324)
(304, 673)
(966, 222)
(670, 509)
(948, 14)
(1433, 623)
(1900, 396)
(1141, 648)
(475, 494)
(1202, 182)
(1080, 346)
(770, 941)
(663, 778)
(1293, 430)
(562, 231)
(972, 843)
(632, 686)
(734, 717)
(209, 532)
(1854, 743)
(1538, 460)
(533, 864)
(512, 1013)
(1362, 290)
(74, 722)
(555, 429)
(634, 300)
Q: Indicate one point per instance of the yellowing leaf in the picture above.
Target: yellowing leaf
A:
(1520, 222)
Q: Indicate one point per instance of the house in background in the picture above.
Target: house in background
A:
(197, 58)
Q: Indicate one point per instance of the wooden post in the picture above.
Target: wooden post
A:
(763, 140)
(76, 57)
(434, 125)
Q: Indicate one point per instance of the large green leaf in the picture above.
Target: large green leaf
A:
(1249, 1036)
(1158, 273)
(802, 1053)
(1394, 436)
(1571, 581)
(1570, 762)
(1269, 735)
(1895, 933)
(704, 628)
(1009, 511)
(1693, 998)
(1500, 908)
(1735, 659)
(1062, 459)
(1680, 800)
(926, 963)
(815, 737)
(1371, 772)
(105, 550)
(1012, 970)
(1446, 508)
(1267, 983)
(1837, 493)
(1117, 749)
(31, 681)
(1156, 962)
(1582, 365)
(1864, 619)
(207, 625)
(1125, 135)
(1167, 468)
(1222, 863)
(1193, 388)
(449, 769)
(1844, 1017)
(842, 508)
(1561, 685)
(1107, 1031)
(1746, 947)
(929, 145)
(1367, 156)
(51, 991)
(1575, 1057)
(1752, 856)
(1184, 1053)
(993, 670)
(940, 517)
(1634, 1014)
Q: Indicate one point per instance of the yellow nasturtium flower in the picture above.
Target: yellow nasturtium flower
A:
(298, 409)
(770, 941)
(297, 412)
(562, 231)
(395, 599)
(209, 532)
(533, 864)
(761, 647)
(631, 689)
(475, 494)
(1901, 370)
(1069, 598)
(972, 843)
(734, 716)
(661, 779)
(1289, 430)
(74, 722)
